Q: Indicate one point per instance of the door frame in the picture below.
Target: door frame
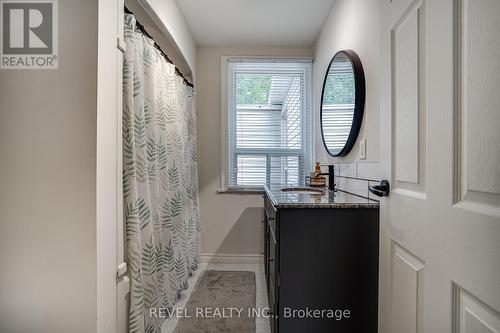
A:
(108, 163)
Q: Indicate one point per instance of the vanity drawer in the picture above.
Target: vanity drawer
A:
(270, 213)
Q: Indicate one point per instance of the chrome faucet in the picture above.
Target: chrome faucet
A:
(331, 177)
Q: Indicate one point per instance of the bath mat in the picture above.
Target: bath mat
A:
(220, 303)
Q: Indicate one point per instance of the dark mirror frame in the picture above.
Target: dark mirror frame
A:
(359, 103)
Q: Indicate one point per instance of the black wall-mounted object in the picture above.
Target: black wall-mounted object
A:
(344, 84)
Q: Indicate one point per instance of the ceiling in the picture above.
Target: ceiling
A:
(255, 22)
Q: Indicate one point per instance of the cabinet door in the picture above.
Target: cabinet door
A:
(266, 246)
(273, 319)
(272, 289)
(271, 254)
(271, 263)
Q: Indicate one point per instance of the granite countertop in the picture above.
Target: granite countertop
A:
(329, 199)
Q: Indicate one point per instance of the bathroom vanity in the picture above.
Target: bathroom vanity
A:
(321, 261)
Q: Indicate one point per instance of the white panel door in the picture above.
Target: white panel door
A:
(440, 151)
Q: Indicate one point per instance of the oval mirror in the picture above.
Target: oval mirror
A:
(342, 102)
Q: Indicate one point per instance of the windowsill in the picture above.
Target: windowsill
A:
(240, 191)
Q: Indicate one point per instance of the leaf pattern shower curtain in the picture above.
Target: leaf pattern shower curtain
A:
(160, 180)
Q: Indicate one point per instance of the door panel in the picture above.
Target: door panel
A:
(440, 226)
(408, 100)
(473, 316)
(405, 55)
(407, 286)
(478, 73)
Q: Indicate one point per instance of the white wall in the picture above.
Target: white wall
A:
(351, 24)
(230, 223)
(48, 185)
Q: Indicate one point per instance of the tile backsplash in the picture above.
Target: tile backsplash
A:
(355, 177)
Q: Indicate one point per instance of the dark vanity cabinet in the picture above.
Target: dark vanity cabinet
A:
(321, 266)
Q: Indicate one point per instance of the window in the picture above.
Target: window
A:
(268, 138)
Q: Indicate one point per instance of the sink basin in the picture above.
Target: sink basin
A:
(303, 190)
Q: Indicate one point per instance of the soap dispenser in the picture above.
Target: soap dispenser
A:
(317, 169)
(315, 179)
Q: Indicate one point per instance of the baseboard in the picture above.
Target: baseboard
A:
(216, 258)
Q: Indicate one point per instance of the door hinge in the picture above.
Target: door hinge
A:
(120, 44)
(121, 270)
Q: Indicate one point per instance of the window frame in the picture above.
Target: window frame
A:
(224, 123)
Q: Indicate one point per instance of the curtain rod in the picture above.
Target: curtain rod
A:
(145, 33)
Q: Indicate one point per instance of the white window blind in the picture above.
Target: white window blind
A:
(269, 137)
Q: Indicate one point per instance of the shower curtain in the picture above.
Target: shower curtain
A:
(160, 180)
